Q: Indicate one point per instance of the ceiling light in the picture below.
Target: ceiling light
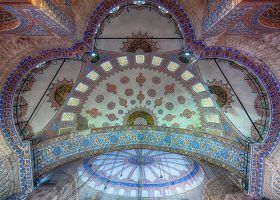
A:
(114, 9)
(97, 28)
(187, 56)
(139, 3)
(41, 64)
(187, 53)
(94, 56)
(162, 9)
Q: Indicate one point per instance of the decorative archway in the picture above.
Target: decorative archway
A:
(220, 151)
(259, 151)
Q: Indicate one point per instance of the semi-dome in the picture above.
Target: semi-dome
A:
(125, 99)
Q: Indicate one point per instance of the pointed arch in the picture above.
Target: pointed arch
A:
(258, 151)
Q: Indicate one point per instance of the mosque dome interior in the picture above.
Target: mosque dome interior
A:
(148, 99)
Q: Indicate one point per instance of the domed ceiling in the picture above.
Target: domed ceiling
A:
(146, 99)
(141, 173)
(153, 90)
(136, 89)
(136, 174)
(137, 28)
(36, 92)
(144, 90)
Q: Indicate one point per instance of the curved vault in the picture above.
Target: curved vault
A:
(136, 26)
(110, 92)
(173, 95)
(34, 85)
(133, 174)
(269, 81)
(136, 173)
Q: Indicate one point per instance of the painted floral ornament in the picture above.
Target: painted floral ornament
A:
(158, 102)
(112, 117)
(169, 117)
(187, 113)
(123, 102)
(58, 92)
(169, 89)
(156, 80)
(140, 79)
(124, 80)
(94, 112)
(129, 92)
(111, 88)
(221, 93)
(140, 42)
(140, 96)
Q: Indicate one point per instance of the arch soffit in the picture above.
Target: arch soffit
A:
(214, 149)
(253, 64)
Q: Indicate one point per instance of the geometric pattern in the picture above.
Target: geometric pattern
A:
(144, 90)
(44, 18)
(240, 17)
(270, 17)
(55, 151)
(258, 151)
(276, 182)
(8, 20)
(5, 177)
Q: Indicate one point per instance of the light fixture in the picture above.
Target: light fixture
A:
(97, 28)
(139, 3)
(93, 55)
(162, 9)
(187, 53)
(114, 9)
(41, 65)
(187, 56)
